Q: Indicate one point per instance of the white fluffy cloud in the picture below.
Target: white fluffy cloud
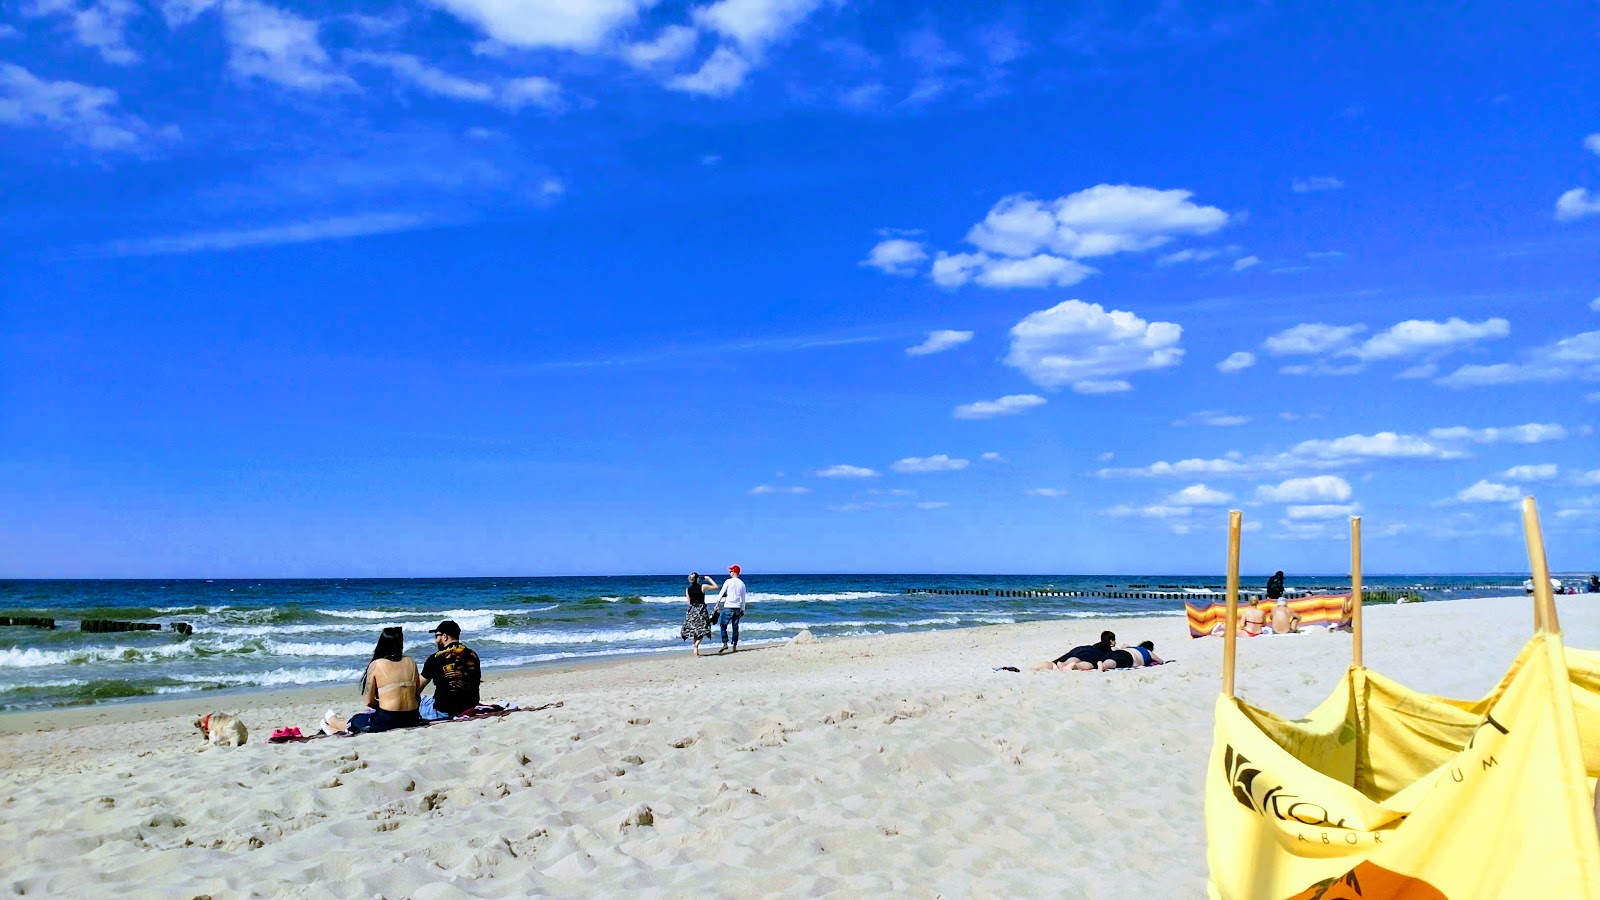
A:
(100, 25)
(1024, 241)
(1098, 221)
(1316, 183)
(269, 44)
(671, 44)
(762, 489)
(1541, 472)
(1595, 304)
(1051, 493)
(896, 256)
(940, 340)
(1414, 338)
(1245, 262)
(1082, 345)
(1009, 405)
(1488, 492)
(1531, 433)
(754, 24)
(84, 114)
(1199, 495)
(1576, 204)
(1383, 445)
(1311, 339)
(1180, 469)
(1588, 479)
(1569, 359)
(992, 456)
(1320, 511)
(568, 24)
(844, 471)
(720, 75)
(925, 464)
(513, 93)
(1306, 490)
(1212, 419)
(1237, 362)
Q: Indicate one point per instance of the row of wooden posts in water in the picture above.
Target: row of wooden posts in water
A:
(1369, 595)
(95, 625)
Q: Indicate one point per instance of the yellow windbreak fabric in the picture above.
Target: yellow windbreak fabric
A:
(1330, 806)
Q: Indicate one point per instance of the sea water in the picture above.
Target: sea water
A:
(277, 633)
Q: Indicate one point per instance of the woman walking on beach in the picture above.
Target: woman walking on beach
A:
(696, 621)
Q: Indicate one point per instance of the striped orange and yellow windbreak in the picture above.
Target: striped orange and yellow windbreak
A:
(1322, 610)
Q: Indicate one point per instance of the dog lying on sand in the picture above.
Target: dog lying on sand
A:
(221, 730)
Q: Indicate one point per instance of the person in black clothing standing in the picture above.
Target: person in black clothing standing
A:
(697, 621)
(454, 671)
(1275, 585)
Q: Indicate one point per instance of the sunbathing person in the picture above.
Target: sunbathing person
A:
(1252, 619)
(1132, 658)
(391, 686)
(1284, 619)
(1082, 658)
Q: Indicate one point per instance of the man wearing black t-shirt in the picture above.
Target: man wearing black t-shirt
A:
(454, 673)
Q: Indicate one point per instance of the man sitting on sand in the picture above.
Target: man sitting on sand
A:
(1082, 658)
(455, 673)
(1132, 658)
(1284, 619)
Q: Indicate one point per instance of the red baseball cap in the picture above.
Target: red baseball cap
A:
(733, 569)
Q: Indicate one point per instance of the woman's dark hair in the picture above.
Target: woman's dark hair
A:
(1107, 638)
(1148, 645)
(391, 646)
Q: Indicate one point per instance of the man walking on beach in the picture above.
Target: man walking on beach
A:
(730, 601)
(455, 673)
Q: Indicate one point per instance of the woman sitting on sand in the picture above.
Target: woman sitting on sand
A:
(697, 621)
(1132, 657)
(1081, 658)
(391, 686)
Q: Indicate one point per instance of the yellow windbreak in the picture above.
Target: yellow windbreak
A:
(1384, 792)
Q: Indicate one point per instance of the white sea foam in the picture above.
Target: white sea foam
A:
(273, 677)
(761, 597)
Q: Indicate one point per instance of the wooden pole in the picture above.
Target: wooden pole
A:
(1230, 637)
(1355, 591)
(1544, 605)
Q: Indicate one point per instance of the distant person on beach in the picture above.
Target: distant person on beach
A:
(1082, 658)
(730, 607)
(391, 687)
(1275, 585)
(1252, 619)
(455, 672)
(1133, 658)
(1284, 619)
(697, 621)
(1594, 584)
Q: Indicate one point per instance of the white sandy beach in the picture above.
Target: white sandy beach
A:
(871, 766)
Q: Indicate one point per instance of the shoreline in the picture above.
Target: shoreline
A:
(896, 764)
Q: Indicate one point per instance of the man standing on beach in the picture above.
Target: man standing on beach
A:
(730, 601)
(455, 673)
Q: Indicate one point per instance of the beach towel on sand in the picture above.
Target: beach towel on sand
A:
(1384, 792)
(1323, 610)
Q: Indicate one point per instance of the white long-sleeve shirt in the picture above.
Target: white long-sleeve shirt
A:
(732, 594)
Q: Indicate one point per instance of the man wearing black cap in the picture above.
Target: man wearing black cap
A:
(454, 673)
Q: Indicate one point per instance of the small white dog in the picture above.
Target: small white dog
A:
(221, 730)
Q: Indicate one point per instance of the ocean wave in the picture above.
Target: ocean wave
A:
(763, 597)
(602, 636)
(271, 678)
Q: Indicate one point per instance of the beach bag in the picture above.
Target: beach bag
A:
(1385, 792)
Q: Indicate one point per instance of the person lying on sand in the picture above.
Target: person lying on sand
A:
(1132, 658)
(1082, 658)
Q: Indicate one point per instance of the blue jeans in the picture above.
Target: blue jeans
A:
(428, 713)
(731, 617)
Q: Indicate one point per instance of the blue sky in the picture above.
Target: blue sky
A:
(612, 286)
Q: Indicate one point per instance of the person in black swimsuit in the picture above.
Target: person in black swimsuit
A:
(1132, 657)
(1081, 658)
